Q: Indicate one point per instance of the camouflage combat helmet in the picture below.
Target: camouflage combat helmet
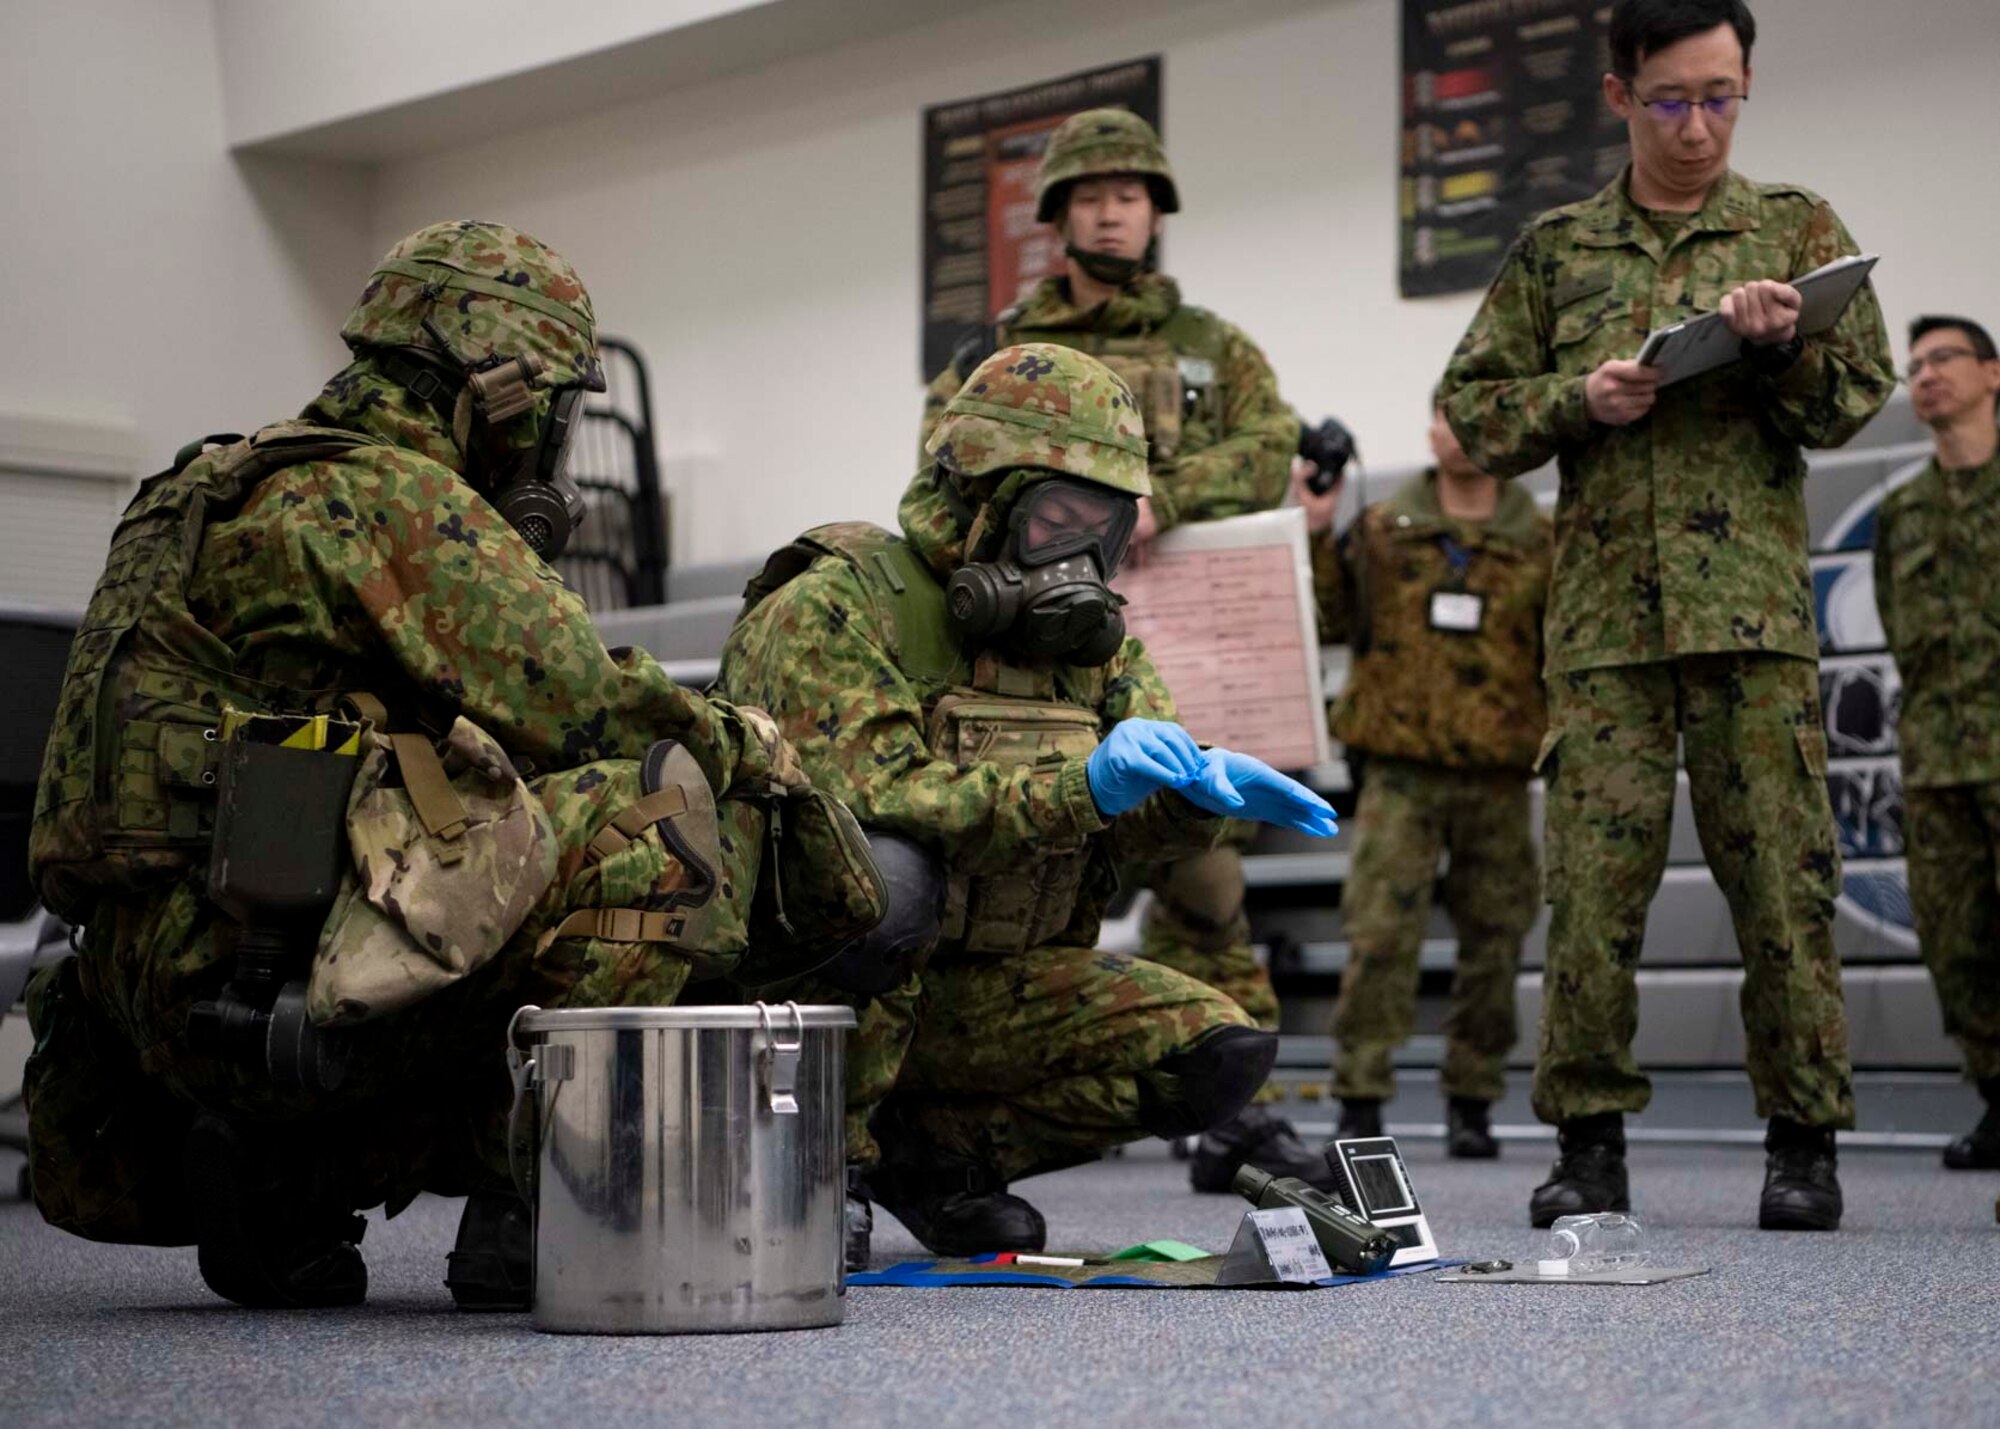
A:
(1054, 408)
(474, 291)
(1103, 141)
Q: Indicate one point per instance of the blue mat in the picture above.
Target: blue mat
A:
(1115, 1275)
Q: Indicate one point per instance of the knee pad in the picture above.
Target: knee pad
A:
(1189, 1091)
(880, 959)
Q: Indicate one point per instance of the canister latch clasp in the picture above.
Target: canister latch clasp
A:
(778, 1061)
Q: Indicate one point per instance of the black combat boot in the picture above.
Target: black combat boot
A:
(1801, 1191)
(1468, 1131)
(1979, 1148)
(1359, 1117)
(956, 1208)
(857, 1220)
(275, 1232)
(1589, 1174)
(492, 1264)
(1255, 1137)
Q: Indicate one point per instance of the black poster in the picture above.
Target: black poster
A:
(983, 248)
(1503, 117)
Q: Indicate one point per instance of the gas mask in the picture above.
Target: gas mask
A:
(523, 476)
(529, 486)
(1046, 596)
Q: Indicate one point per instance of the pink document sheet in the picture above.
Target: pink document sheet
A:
(1225, 610)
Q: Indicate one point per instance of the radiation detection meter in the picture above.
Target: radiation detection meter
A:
(1374, 1181)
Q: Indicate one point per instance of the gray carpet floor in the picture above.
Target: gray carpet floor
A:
(1894, 1320)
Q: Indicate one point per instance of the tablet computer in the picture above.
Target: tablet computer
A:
(1702, 344)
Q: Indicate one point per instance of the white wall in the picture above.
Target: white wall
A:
(149, 281)
(302, 63)
(758, 236)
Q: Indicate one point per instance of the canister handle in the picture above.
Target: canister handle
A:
(521, 1072)
(778, 1062)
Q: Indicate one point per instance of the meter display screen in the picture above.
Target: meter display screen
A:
(1378, 1180)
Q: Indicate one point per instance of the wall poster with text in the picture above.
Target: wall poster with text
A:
(983, 248)
(1503, 117)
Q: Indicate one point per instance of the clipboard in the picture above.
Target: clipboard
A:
(1702, 344)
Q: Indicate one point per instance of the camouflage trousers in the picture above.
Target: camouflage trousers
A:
(1196, 924)
(1410, 814)
(1952, 835)
(1755, 751)
(112, 1085)
(1028, 1063)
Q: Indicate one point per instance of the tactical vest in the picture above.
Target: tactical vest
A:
(976, 711)
(1174, 371)
(126, 800)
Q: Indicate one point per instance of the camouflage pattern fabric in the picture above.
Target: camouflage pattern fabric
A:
(819, 655)
(1038, 405)
(1232, 451)
(1952, 836)
(415, 912)
(1684, 532)
(425, 1102)
(1196, 924)
(973, 1036)
(1937, 548)
(1459, 700)
(1043, 1061)
(1937, 545)
(1756, 762)
(1102, 142)
(483, 289)
(1411, 813)
(383, 571)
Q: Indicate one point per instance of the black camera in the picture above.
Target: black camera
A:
(1328, 446)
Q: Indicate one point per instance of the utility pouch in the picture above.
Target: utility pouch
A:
(1012, 912)
(818, 886)
(1155, 379)
(451, 851)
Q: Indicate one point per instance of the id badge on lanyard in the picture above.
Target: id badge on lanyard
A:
(1454, 610)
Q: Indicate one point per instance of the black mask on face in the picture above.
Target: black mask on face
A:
(536, 496)
(1107, 268)
(1047, 597)
(530, 487)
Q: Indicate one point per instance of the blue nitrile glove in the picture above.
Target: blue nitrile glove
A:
(1262, 793)
(1141, 756)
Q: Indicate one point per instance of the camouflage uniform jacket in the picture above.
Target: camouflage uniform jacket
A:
(381, 570)
(1221, 436)
(1684, 532)
(1937, 549)
(925, 752)
(1471, 700)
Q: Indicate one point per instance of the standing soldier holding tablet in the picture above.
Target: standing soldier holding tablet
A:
(1681, 604)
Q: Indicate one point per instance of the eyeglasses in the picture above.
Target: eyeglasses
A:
(1936, 357)
(1719, 107)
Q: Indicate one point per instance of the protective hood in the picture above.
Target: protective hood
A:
(362, 398)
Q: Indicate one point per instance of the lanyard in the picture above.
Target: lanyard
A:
(1457, 555)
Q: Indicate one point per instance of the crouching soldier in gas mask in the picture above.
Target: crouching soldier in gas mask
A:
(341, 776)
(967, 687)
